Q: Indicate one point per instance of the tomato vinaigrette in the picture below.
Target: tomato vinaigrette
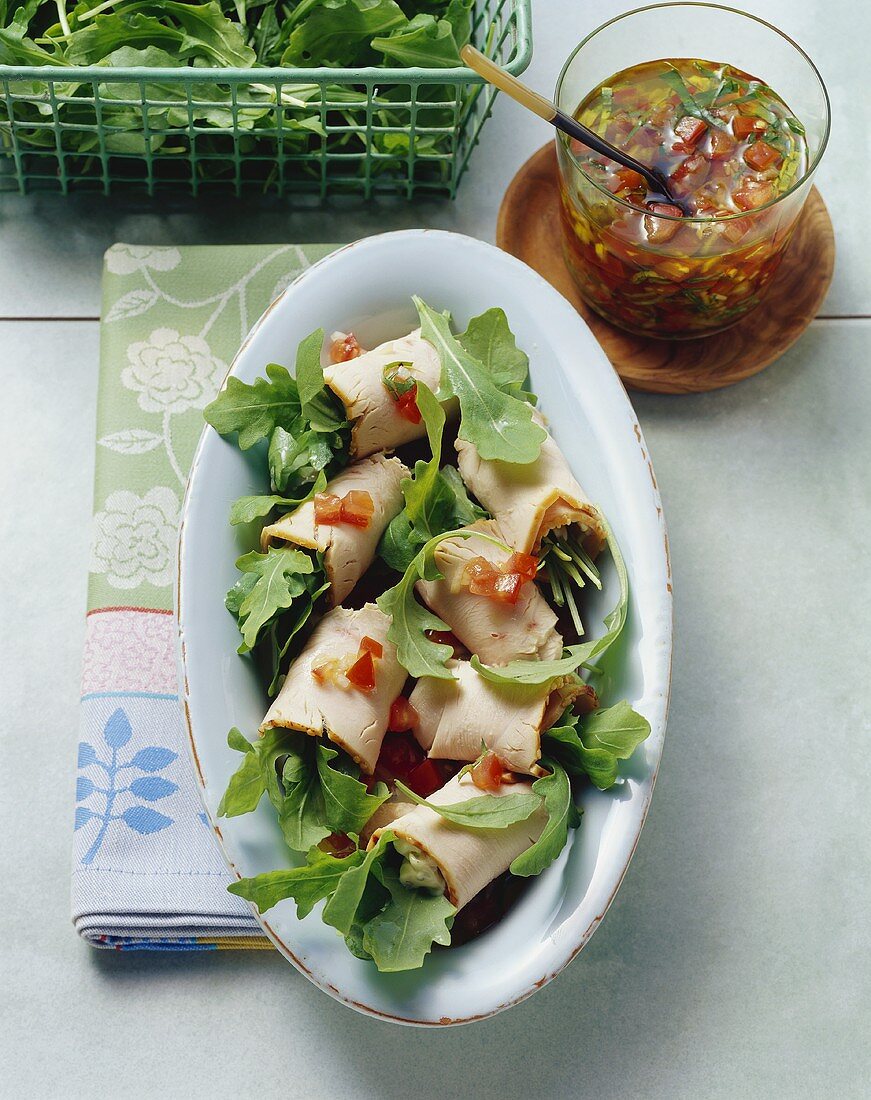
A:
(728, 147)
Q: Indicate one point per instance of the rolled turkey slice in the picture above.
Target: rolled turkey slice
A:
(467, 859)
(386, 813)
(354, 720)
(376, 423)
(348, 550)
(530, 501)
(456, 716)
(497, 632)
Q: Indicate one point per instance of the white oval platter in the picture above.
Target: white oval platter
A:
(367, 287)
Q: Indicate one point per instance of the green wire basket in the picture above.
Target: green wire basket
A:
(298, 132)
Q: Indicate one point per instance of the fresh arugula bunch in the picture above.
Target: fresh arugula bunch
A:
(314, 789)
(308, 443)
(240, 34)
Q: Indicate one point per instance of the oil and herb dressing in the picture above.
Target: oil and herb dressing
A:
(728, 146)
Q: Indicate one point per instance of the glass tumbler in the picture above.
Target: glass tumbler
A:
(713, 270)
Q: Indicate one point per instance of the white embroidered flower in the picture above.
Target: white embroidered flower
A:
(125, 259)
(171, 372)
(134, 538)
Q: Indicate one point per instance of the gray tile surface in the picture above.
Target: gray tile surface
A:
(734, 961)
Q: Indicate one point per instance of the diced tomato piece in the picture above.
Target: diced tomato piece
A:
(659, 230)
(480, 575)
(690, 129)
(328, 508)
(357, 508)
(400, 754)
(339, 845)
(361, 674)
(734, 229)
(760, 156)
(447, 637)
(506, 588)
(371, 645)
(425, 779)
(406, 405)
(628, 178)
(722, 145)
(694, 167)
(344, 347)
(754, 193)
(403, 716)
(524, 564)
(744, 125)
(487, 772)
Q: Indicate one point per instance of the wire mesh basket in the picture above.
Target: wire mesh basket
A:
(285, 131)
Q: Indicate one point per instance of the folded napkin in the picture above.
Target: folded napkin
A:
(146, 871)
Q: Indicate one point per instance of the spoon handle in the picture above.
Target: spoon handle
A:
(549, 111)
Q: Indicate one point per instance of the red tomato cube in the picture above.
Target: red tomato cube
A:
(328, 508)
(403, 716)
(361, 674)
(690, 129)
(761, 156)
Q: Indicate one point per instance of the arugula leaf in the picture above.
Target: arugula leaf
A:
(317, 402)
(341, 910)
(302, 817)
(255, 410)
(540, 672)
(500, 426)
(319, 799)
(448, 508)
(465, 513)
(284, 629)
(403, 933)
(298, 454)
(594, 749)
(490, 340)
(564, 744)
(424, 41)
(418, 492)
(347, 804)
(429, 504)
(307, 885)
(247, 509)
(562, 815)
(486, 812)
(619, 730)
(334, 32)
(257, 772)
(278, 582)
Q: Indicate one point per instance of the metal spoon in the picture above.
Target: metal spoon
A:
(543, 107)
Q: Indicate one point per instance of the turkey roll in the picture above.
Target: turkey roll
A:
(459, 861)
(530, 501)
(455, 717)
(348, 550)
(318, 696)
(377, 423)
(497, 632)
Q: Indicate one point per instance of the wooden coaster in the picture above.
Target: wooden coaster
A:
(529, 228)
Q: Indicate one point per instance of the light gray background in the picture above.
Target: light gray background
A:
(735, 959)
